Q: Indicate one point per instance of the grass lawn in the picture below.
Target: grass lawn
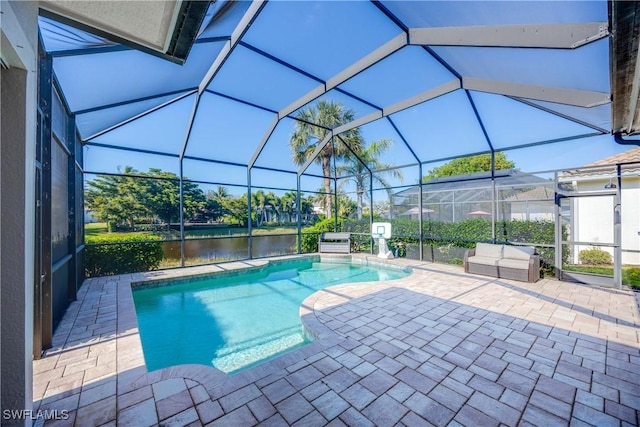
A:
(95, 228)
(100, 228)
(630, 274)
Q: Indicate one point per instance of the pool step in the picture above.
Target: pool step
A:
(257, 350)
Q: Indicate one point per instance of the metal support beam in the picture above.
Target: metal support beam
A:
(432, 93)
(241, 101)
(249, 224)
(580, 98)
(633, 97)
(315, 153)
(552, 141)
(130, 149)
(335, 204)
(192, 117)
(367, 61)
(493, 165)
(133, 101)
(357, 67)
(549, 36)
(557, 213)
(617, 230)
(404, 140)
(74, 215)
(414, 100)
(44, 317)
(181, 213)
(493, 195)
(420, 219)
(420, 200)
(249, 16)
(358, 122)
(264, 141)
(556, 113)
(335, 187)
(299, 214)
(242, 27)
(138, 116)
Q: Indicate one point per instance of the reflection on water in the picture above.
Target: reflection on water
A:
(232, 247)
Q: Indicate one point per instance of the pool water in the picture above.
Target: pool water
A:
(234, 322)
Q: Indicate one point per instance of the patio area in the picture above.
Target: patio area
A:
(439, 347)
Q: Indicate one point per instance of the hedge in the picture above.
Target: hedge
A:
(107, 255)
(446, 241)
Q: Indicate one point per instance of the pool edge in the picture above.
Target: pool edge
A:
(134, 369)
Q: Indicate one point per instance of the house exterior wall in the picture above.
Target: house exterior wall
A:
(18, 88)
(532, 211)
(593, 218)
(631, 221)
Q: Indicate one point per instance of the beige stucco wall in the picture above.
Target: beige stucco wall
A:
(594, 218)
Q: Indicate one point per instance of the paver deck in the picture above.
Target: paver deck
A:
(439, 347)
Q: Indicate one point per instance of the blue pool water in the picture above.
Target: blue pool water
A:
(233, 322)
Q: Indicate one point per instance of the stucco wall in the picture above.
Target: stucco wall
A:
(17, 149)
(594, 218)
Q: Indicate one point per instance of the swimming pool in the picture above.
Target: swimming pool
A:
(235, 321)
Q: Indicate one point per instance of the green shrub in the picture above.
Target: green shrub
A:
(594, 256)
(359, 243)
(631, 277)
(106, 255)
(310, 235)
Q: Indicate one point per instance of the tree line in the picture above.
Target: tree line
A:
(153, 196)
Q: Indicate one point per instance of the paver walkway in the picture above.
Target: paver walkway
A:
(437, 348)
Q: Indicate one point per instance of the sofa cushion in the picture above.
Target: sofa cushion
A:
(489, 250)
(484, 260)
(520, 264)
(518, 252)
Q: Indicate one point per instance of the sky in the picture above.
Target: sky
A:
(313, 41)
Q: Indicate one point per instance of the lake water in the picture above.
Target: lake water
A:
(232, 247)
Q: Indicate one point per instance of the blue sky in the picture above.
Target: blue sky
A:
(317, 40)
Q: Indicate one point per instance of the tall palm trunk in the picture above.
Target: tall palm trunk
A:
(360, 195)
(326, 171)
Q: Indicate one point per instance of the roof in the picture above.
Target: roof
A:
(475, 181)
(538, 193)
(625, 76)
(606, 166)
(166, 28)
(625, 157)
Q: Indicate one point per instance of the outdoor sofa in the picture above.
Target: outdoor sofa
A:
(503, 261)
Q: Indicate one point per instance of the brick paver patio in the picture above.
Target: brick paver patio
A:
(437, 348)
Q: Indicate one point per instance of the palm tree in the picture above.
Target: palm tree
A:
(326, 115)
(356, 170)
(288, 204)
(219, 194)
(220, 197)
(265, 205)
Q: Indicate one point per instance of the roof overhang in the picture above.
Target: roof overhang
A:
(625, 67)
(165, 28)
